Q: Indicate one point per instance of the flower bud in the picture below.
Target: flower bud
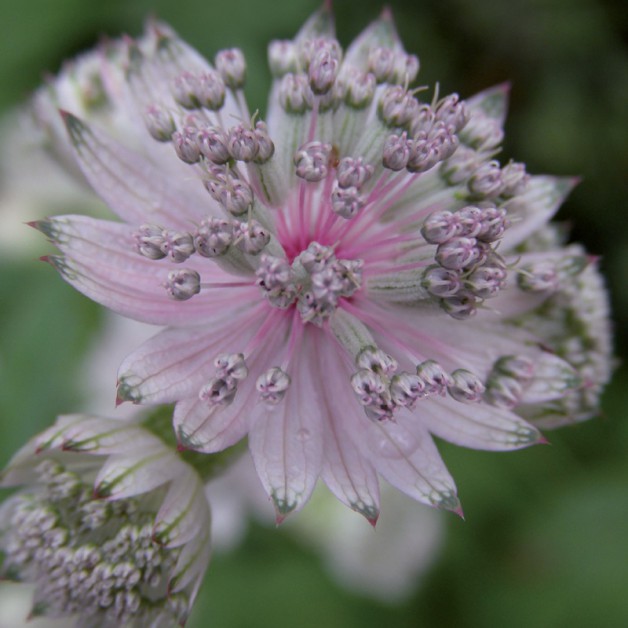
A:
(183, 284)
(232, 67)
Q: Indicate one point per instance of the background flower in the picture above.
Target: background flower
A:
(557, 559)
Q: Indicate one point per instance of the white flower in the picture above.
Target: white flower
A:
(111, 525)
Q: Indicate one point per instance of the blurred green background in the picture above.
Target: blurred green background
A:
(545, 542)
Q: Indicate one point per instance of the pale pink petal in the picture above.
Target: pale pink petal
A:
(476, 426)
(348, 473)
(192, 564)
(286, 440)
(110, 271)
(175, 363)
(130, 184)
(408, 459)
(209, 428)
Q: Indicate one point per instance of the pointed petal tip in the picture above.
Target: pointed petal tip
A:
(542, 440)
(386, 13)
(458, 511)
(181, 448)
(279, 518)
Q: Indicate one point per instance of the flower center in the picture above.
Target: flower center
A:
(315, 281)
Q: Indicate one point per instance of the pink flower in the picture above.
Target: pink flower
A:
(341, 282)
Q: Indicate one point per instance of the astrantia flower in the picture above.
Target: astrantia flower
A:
(341, 281)
(112, 526)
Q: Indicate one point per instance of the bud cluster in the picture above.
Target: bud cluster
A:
(317, 280)
(351, 175)
(432, 130)
(381, 389)
(467, 269)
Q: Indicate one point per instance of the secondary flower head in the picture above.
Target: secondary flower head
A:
(111, 526)
(341, 281)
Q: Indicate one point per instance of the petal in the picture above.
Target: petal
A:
(477, 426)
(286, 440)
(319, 24)
(408, 459)
(100, 436)
(131, 185)
(349, 474)
(176, 362)
(379, 33)
(191, 565)
(184, 512)
(131, 474)
(531, 210)
(553, 379)
(209, 428)
(492, 102)
(101, 262)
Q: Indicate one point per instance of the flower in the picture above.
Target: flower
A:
(341, 282)
(112, 526)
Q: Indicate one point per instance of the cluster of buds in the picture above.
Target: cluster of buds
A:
(112, 527)
(223, 386)
(429, 133)
(484, 178)
(351, 175)
(211, 239)
(381, 390)
(467, 269)
(317, 280)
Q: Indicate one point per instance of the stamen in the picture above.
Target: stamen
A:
(251, 237)
(312, 160)
(234, 194)
(435, 378)
(396, 152)
(272, 385)
(242, 143)
(213, 237)
(183, 284)
(186, 146)
(353, 172)
(156, 243)
(159, 123)
(222, 388)
(295, 93)
(232, 67)
(212, 142)
(466, 386)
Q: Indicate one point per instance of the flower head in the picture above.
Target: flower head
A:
(341, 281)
(111, 526)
